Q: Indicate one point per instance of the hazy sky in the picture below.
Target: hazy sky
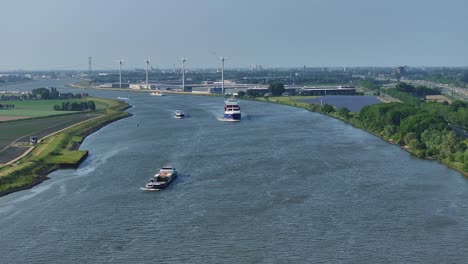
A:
(61, 34)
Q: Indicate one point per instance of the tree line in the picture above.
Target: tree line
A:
(419, 91)
(44, 93)
(41, 94)
(455, 113)
(424, 127)
(7, 106)
(76, 106)
(410, 94)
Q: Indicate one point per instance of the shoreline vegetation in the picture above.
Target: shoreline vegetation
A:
(59, 150)
(352, 118)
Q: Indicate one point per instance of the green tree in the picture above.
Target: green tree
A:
(252, 93)
(327, 109)
(464, 77)
(410, 137)
(42, 93)
(343, 112)
(54, 94)
(91, 105)
(75, 106)
(276, 89)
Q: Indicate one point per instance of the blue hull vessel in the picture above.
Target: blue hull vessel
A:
(232, 110)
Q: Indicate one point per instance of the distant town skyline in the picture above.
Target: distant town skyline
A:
(62, 34)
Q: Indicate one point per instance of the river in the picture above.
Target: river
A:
(282, 186)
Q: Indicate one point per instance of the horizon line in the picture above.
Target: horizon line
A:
(234, 68)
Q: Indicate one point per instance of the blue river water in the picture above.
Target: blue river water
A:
(352, 102)
(282, 186)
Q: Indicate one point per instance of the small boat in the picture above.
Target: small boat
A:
(157, 94)
(179, 114)
(232, 110)
(161, 180)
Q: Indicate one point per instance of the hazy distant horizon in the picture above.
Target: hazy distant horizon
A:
(226, 68)
(62, 34)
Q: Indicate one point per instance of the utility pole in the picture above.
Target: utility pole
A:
(120, 74)
(147, 65)
(222, 75)
(183, 76)
(89, 65)
(183, 73)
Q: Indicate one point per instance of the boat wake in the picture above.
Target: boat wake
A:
(148, 189)
(94, 161)
(222, 119)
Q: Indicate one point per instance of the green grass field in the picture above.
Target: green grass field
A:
(36, 108)
(40, 127)
(56, 151)
(44, 120)
(288, 100)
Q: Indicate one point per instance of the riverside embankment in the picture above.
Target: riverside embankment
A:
(354, 119)
(57, 150)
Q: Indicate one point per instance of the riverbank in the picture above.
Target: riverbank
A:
(58, 150)
(347, 117)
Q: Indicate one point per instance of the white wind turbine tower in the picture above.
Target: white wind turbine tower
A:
(222, 73)
(120, 72)
(147, 65)
(183, 73)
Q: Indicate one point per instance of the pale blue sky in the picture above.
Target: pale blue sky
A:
(274, 33)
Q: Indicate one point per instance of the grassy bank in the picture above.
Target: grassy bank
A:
(37, 108)
(59, 150)
(421, 133)
(20, 130)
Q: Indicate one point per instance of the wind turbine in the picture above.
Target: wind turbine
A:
(147, 65)
(222, 70)
(183, 73)
(222, 73)
(120, 72)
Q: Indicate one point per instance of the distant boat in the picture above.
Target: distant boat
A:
(157, 94)
(232, 110)
(161, 180)
(123, 98)
(179, 114)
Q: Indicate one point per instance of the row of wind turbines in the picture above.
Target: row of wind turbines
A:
(147, 62)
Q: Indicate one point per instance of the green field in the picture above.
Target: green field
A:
(22, 129)
(36, 108)
(44, 120)
(60, 150)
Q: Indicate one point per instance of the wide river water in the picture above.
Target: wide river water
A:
(282, 186)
